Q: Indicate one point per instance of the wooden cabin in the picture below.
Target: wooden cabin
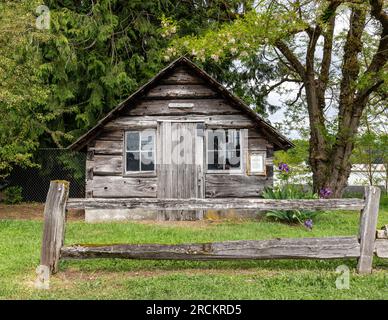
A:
(181, 135)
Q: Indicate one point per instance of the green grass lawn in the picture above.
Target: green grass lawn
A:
(20, 242)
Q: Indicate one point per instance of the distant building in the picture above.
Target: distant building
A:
(359, 176)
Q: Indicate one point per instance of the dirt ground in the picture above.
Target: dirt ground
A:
(32, 211)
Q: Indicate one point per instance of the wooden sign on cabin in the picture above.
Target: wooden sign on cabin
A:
(182, 105)
(181, 135)
(256, 162)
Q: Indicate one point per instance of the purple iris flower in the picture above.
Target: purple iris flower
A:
(325, 193)
(309, 224)
(284, 167)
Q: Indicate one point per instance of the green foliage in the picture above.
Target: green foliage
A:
(297, 160)
(22, 92)
(370, 148)
(290, 192)
(353, 194)
(384, 201)
(371, 151)
(103, 51)
(74, 164)
(57, 83)
(235, 53)
(295, 156)
(13, 195)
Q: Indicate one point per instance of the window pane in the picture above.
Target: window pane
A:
(211, 166)
(233, 139)
(210, 160)
(224, 149)
(133, 141)
(147, 140)
(233, 161)
(147, 161)
(233, 150)
(216, 139)
(210, 140)
(133, 162)
(215, 160)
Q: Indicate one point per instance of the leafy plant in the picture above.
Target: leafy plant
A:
(13, 195)
(290, 192)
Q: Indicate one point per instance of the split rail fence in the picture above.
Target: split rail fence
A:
(362, 246)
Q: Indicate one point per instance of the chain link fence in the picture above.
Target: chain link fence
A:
(51, 164)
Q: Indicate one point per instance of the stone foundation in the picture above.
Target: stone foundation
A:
(106, 215)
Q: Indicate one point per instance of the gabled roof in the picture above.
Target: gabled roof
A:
(279, 141)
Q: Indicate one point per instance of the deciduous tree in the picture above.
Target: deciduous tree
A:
(325, 62)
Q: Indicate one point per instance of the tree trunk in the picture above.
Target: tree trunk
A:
(330, 161)
(332, 173)
(333, 168)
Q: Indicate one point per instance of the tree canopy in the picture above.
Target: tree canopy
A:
(58, 82)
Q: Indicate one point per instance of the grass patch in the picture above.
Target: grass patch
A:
(20, 242)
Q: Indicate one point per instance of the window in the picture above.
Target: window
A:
(140, 151)
(223, 150)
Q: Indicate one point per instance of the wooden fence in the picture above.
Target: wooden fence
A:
(363, 247)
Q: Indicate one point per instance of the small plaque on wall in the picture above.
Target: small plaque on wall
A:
(256, 163)
(182, 105)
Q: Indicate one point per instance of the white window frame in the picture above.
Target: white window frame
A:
(254, 172)
(140, 172)
(224, 171)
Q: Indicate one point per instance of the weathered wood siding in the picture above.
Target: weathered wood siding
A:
(105, 171)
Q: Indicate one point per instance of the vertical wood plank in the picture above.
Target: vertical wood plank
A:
(368, 223)
(158, 151)
(162, 178)
(159, 160)
(193, 175)
(200, 152)
(244, 150)
(174, 160)
(180, 160)
(168, 160)
(54, 224)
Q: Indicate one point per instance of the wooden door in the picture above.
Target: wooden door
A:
(180, 164)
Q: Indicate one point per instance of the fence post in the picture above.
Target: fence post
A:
(367, 234)
(54, 224)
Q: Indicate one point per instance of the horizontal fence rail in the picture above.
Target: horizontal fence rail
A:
(220, 203)
(304, 248)
(363, 247)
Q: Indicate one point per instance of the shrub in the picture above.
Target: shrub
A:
(13, 195)
(290, 216)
